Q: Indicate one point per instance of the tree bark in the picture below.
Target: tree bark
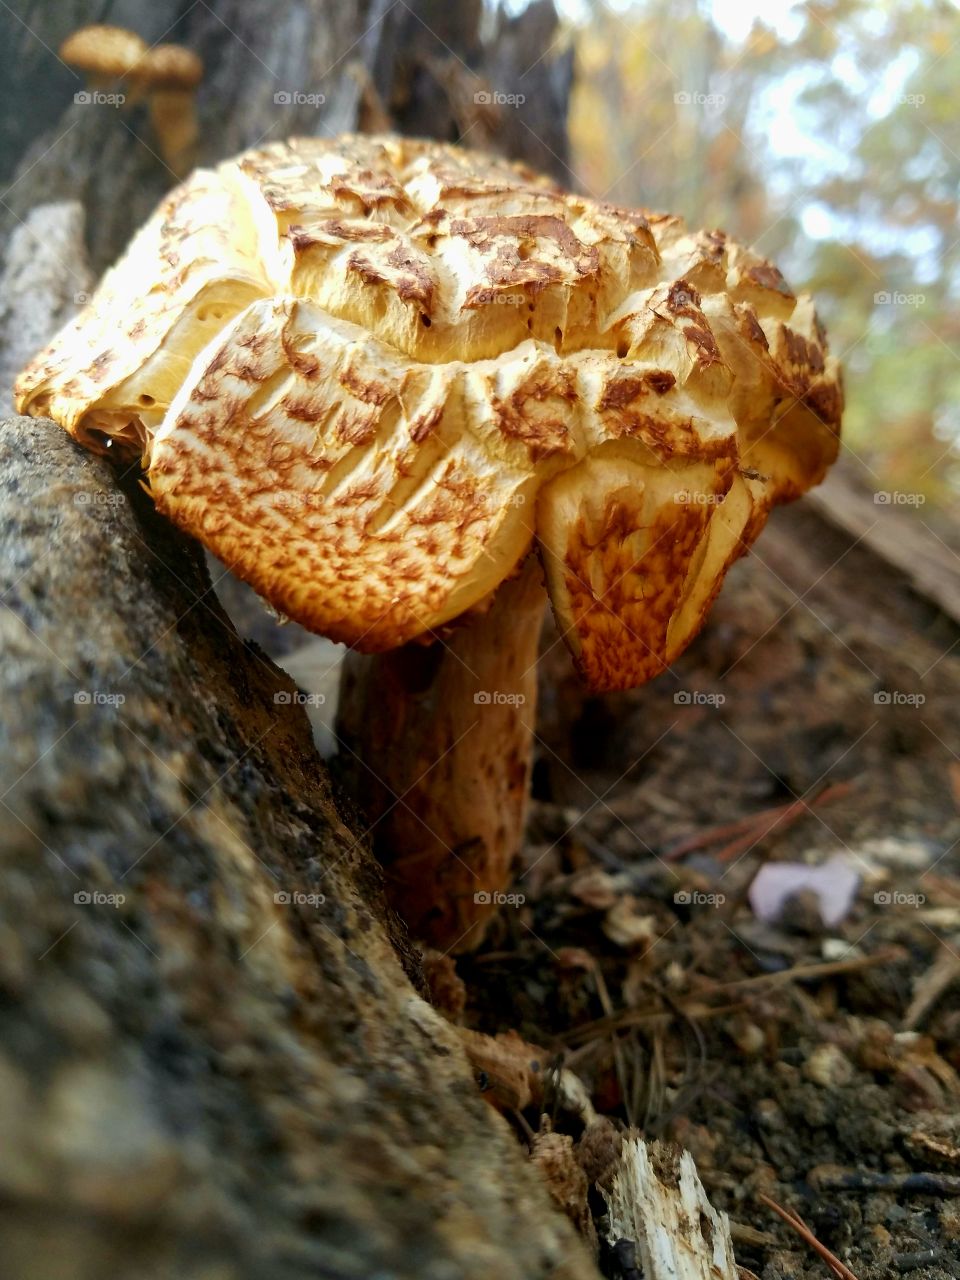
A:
(215, 1057)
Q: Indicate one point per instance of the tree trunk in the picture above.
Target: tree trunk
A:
(215, 1057)
(272, 70)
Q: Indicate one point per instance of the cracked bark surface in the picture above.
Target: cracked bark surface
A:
(200, 1078)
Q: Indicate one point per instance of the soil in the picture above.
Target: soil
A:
(794, 1060)
(783, 1055)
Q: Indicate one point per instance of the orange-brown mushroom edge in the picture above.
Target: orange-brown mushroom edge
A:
(371, 373)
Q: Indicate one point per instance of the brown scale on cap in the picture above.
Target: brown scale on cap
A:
(652, 558)
(532, 331)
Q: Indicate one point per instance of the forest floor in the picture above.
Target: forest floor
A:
(814, 1064)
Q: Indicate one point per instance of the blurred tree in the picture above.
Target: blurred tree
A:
(832, 143)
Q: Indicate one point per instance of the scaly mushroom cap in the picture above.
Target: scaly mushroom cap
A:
(103, 50)
(371, 373)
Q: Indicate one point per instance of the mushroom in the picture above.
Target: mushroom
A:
(170, 74)
(104, 53)
(409, 391)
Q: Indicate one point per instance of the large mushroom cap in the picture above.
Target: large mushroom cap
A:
(103, 50)
(371, 373)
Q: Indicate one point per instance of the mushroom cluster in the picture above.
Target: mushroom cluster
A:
(399, 387)
(166, 74)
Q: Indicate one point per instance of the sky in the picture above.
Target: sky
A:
(733, 17)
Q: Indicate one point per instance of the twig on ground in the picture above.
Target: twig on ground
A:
(791, 813)
(796, 1223)
(695, 1010)
(931, 985)
(607, 1006)
(916, 1184)
(743, 833)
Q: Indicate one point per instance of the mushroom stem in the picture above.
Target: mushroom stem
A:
(436, 746)
(174, 120)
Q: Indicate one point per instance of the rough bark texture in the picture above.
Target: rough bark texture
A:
(37, 295)
(437, 745)
(213, 1061)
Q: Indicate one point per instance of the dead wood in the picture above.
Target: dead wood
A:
(216, 1059)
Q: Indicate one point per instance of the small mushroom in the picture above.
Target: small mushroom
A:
(167, 74)
(106, 54)
(170, 74)
(409, 392)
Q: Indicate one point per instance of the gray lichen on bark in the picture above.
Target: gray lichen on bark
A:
(199, 1078)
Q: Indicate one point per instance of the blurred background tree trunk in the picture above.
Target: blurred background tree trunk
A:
(450, 71)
